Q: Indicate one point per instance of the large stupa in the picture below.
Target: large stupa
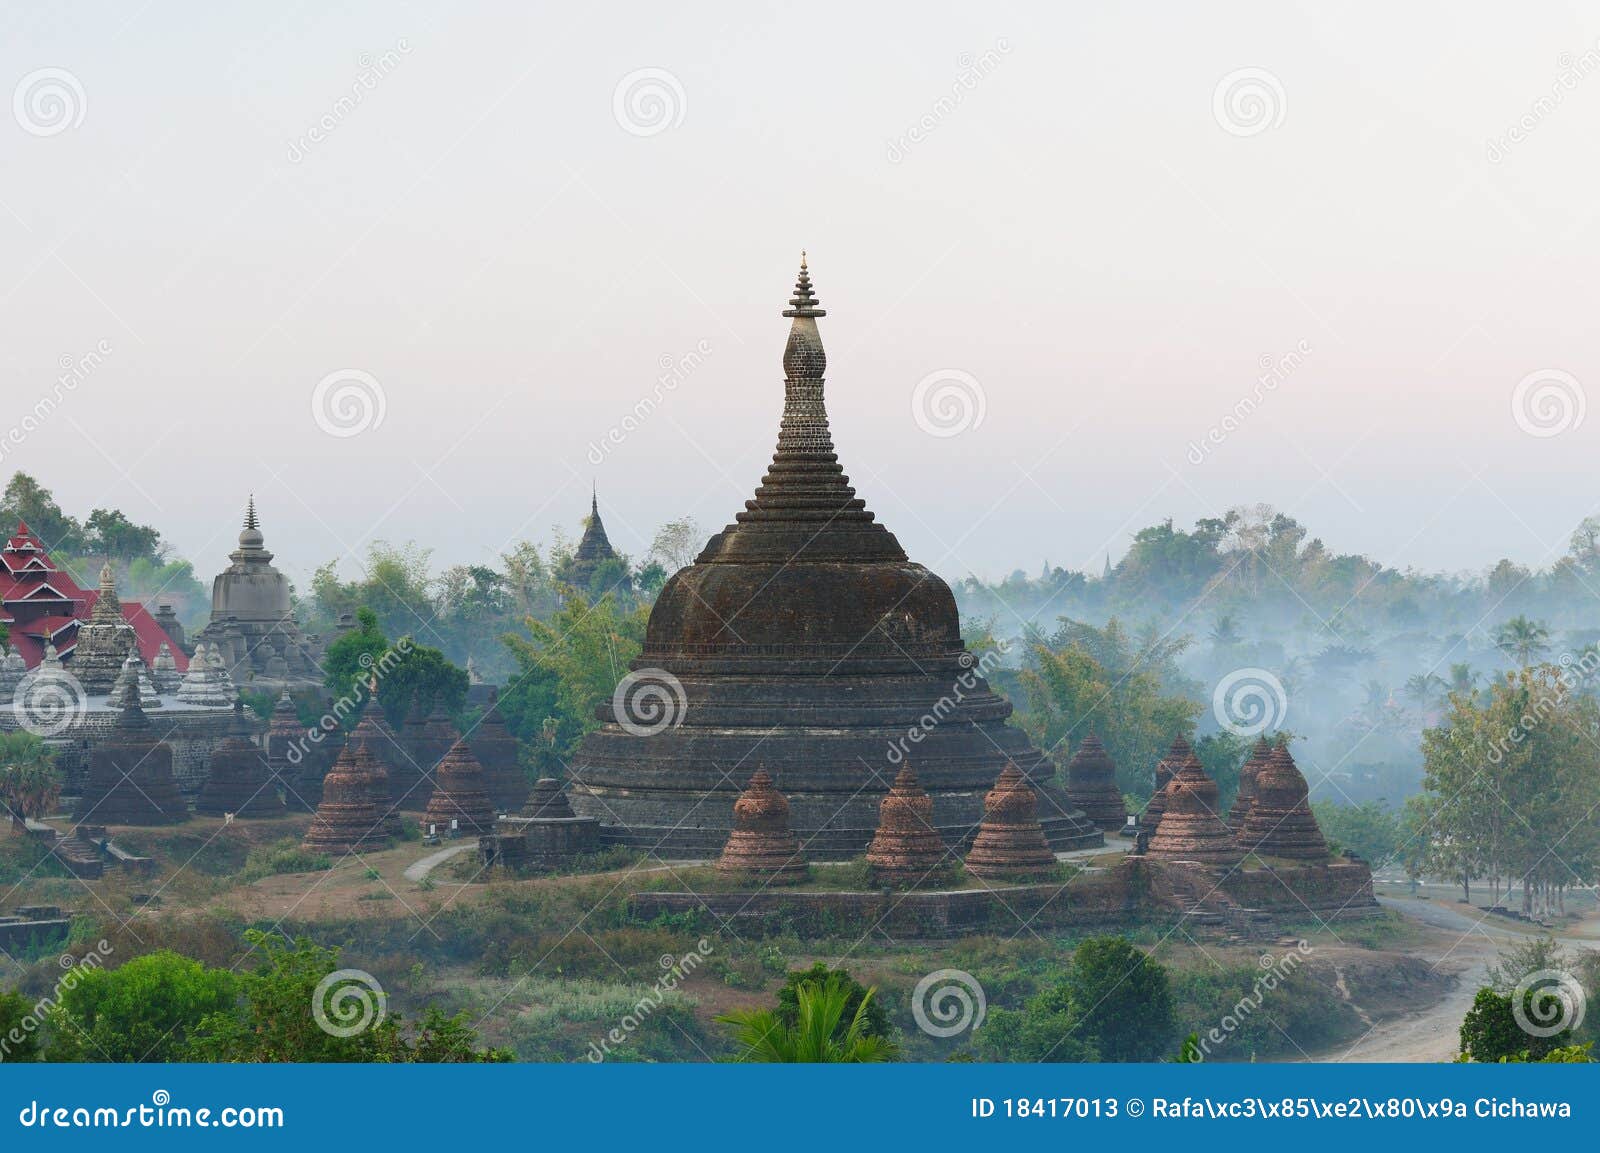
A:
(803, 638)
(252, 624)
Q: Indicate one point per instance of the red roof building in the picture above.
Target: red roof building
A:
(41, 604)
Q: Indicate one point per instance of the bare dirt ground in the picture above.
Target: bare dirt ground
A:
(1459, 941)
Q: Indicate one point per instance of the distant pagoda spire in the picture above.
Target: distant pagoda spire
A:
(804, 301)
(251, 540)
(250, 513)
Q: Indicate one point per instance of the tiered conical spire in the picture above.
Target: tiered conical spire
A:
(1191, 827)
(130, 775)
(547, 801)
(761, 843)
(1167, 767)
(1092, 785)
(348, 816)
(906, 851)
(1280, 823)
(805, 508)
(1239, 812)
(459, 795)
(1010, 841)
(238, 780)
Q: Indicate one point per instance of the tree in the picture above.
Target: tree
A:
(273, 1020)
(815, 1037)
(30, 783)
(676, 543)
(1491, 1032)
(1370, 830)
(18, 1042)
(25, 499)
(1047, 1028)
(567, 666)
(1122, 1000)
(405, 671)
(146, 1010)
(1523, 639)
(111, 534)
(875, 1022)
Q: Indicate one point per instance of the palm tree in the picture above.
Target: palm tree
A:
(1463, 679)
(30, 783)
(1523, 639)
(1424, 689)
(762, 1037)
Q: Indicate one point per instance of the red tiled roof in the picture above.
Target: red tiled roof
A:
(22, 584)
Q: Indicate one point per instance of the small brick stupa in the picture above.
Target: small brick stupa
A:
(1242, 801)
(459, 795)
(761, 844)
(130, 775)
(906, 851)
(1166, 768)
(284, 731)
(1010, 841)
(348, 816)
(1092, 785)
(496, 750)
(1280, 822)
(439, 736)
(1191, 828)
(238, 780)
(374, 734)
(547, 801)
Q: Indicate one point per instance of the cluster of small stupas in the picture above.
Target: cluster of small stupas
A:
(355, 812)
(1270, 817)
(907, 850)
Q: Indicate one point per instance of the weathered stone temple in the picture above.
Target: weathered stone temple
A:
(804, 639)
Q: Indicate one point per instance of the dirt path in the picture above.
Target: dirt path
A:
(1462, 942)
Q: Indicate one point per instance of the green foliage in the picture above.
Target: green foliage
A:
(285, 856)
(18, 1042)
(821, 1031)
(149, 1009)
(1372, 830)
(30, 782)
(1114, 1004)
(874, 1018)
(1084, 680)
(1490, 1032)
(566, 666)
(1189, 1051)
(405, 671)
(273, 1020)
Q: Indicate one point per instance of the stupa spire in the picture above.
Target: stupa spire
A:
(804, 301)
(250, 513)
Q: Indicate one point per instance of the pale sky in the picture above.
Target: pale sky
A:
(1057, 207)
